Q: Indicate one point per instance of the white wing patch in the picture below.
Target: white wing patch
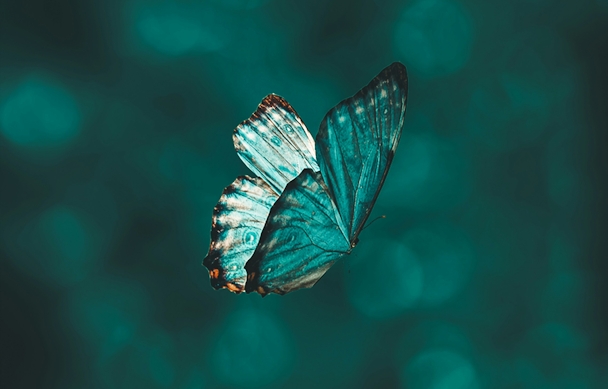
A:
(275, 144)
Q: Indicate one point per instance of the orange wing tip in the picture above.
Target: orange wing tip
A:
(234, 287)
(214, 274)
(221, 283)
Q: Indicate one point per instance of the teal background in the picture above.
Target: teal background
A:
(115, 144)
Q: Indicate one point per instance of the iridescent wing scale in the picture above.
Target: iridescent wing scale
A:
(275, 144)
(237, 222)
(355, 145)
(301, 240)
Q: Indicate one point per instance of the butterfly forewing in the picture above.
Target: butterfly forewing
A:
(274, 143)
(302, 239)
(356, 143)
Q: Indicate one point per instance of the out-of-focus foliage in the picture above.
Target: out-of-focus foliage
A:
(115, 144)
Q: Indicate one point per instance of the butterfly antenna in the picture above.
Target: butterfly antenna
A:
(370, 223)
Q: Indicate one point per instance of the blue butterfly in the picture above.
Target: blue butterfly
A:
(282, 230)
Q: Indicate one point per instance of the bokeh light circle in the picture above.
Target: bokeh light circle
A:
(168, 32)
(252, 350)
(554, 355)
(431, 334)
(434, 37)
(58, 246)
(560, 340)
(508, 111)
(429, 172)
(39, 114)
(536, 78)
(446, 257)
(145, 362)
(112, 316)
(179, 163)
(439, 369)
(241, 4)
(175, 29)
(384, 278)
(107, 313)
(562, 296)
(195, 380)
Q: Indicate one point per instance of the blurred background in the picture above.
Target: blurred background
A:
(116, 119)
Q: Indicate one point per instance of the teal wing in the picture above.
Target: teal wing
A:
(302, 239)
(356, 143)
(275, 144)
(284, 230)
(237, 222)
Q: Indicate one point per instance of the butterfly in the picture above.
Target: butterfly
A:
(282, 230)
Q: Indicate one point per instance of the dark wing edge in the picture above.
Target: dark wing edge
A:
(300, 241)
(274, 143)
(357, 141)
(237, 223)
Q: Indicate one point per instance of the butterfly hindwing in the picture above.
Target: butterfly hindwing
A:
(274, 143)
(356, 143)
(237, 223)
(302, 238)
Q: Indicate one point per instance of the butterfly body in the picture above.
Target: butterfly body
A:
(283, 230)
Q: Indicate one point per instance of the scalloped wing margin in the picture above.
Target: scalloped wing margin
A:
(274, 143)
(237, 223)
